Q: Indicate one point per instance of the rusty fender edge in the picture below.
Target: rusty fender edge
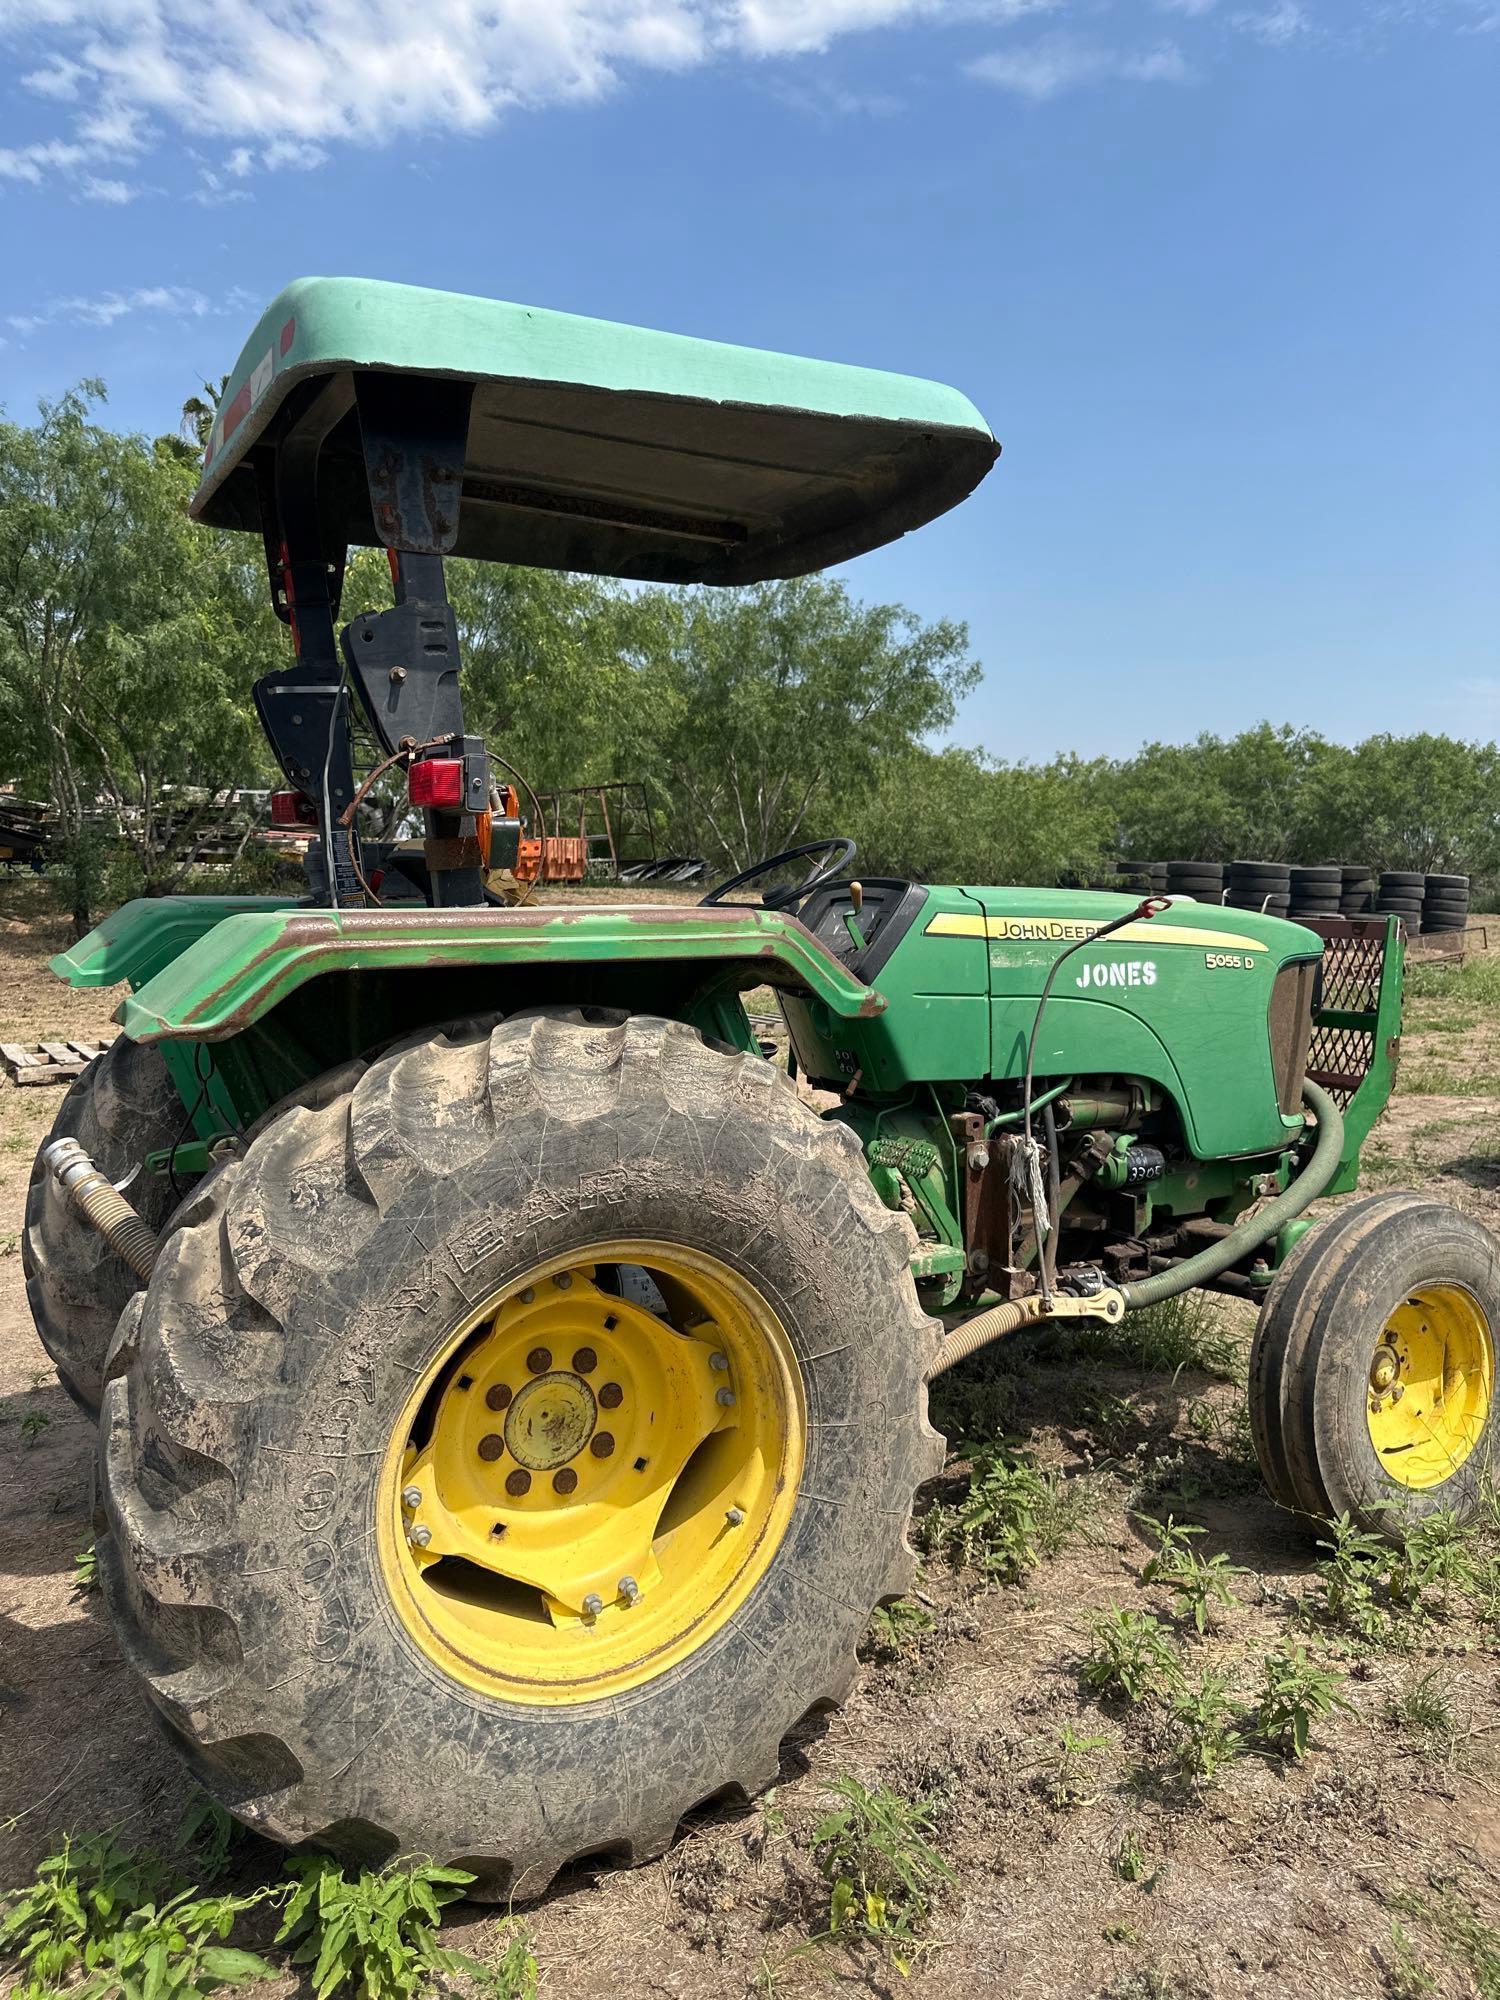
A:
(238, 970)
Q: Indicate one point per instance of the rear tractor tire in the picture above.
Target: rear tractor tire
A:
(123, 1107)
(1372, 1377)
(509, 1451)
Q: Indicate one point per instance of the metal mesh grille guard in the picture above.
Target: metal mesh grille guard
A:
(1344, 1047)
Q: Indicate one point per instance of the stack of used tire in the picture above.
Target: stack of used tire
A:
(1445, 902)
(1357, 896)
(1150, 877)
(1316, 892)
(1202, 880)
(1259, 885)
(1400, 894)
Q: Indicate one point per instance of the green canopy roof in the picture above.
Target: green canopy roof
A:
(597, 447)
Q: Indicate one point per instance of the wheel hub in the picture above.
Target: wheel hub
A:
(1432, 1378)
(583, 1488)
(550, 1421)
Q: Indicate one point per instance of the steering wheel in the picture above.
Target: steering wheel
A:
(840, 853)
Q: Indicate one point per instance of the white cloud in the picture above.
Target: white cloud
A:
(822, 97)
(32, 163)
(1045, 68)
(59, 78)
(271, 84)
(178, 302)
(1276, 26)
(276, 80)
(95, 188)
(292, 153)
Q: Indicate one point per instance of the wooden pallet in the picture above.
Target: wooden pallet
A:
(49, 1062)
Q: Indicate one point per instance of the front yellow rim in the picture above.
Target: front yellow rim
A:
(594, 1475)
(1432, 1378)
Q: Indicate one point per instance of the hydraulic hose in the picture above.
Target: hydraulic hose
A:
(1256, 1229)
(102, 1205)
(1210, 1263)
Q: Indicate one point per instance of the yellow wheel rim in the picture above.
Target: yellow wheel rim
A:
(1432, 1377)
(585, 1487)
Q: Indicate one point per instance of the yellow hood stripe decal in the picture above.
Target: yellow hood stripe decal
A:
(1073, 930)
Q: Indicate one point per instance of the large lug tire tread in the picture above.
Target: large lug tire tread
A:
(253, 1390)
(1316, 1333)
(121, 1108)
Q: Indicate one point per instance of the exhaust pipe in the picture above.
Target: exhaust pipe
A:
(101, 1204)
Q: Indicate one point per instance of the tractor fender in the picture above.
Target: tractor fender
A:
(244, 965)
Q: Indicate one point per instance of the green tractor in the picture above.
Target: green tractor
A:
(512, 1383)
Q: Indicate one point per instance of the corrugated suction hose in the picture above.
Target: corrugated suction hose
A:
(101, 1204)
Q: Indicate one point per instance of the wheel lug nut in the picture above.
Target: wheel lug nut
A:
(725, 1396)
(718, 1361)
(585, 1360)
(497, 1396)
(518, 1482)
(563, 1280)
(735, 1517)
(564, 1481)
(601, 1444)
(593, 1604)
(492, 1446)
(526, 1296)
(411, 1496)
(539, 1360)
(419, 1537)
(630, 1590)
(611, 1396)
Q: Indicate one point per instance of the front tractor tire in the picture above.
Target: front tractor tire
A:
(508, 1452)
(121, 1108)
(1372, 1377)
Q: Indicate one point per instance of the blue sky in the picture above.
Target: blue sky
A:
(1223, 278)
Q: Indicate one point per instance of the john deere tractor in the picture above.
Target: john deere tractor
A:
(511, 1380)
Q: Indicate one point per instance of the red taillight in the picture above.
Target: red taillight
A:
(293, 809)
(438, 781)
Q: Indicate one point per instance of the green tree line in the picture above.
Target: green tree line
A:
(129, 639)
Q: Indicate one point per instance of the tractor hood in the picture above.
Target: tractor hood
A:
(570, 443)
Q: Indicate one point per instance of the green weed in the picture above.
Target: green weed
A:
(1069, 1768)
(1185, 1333)
(1129, 1860)
(377, 1934)
(103, 1923)
(1114, 1419)
(1424, 1704)
(898, 1628)
(1204, 1727)
(176, 1949)
(1476, 981)
(1198, 1583)
(33, 1424)
(78, 1897)
(1225, 1429)
(1460, 1931)
(1406, 1978)
(208, 1833)
(86, 1571)
(1378, 1591)
(1130, 1657)
(874, 1850)
(1295, 1692)
(1436, 1559)
(1012, 1518)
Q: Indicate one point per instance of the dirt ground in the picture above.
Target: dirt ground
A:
(1281, 1878)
